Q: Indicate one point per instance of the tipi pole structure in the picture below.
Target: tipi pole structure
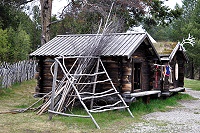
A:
(117, 91)
(73, 86)
(94, 86)
(65, 92)
(53, 89)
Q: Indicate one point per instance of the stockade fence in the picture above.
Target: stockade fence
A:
(16, 73)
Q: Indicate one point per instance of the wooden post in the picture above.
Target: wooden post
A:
(53, 89)
(192, 69)
(94, 86)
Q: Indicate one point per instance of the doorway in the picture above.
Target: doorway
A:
(137, 77)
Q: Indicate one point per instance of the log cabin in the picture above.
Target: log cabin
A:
(129, 59)
(173, 58)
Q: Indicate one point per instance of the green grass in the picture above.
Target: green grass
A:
(21, 96)
(194, 84)
(139, 108)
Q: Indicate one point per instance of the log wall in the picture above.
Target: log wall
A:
(113, 68)
(45, 78)
(140, 56)
(120, 69)
(180, 60)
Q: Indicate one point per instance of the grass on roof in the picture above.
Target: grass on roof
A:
(164, 47)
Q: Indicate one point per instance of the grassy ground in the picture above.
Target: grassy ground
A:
(20, 96)
(194, 84)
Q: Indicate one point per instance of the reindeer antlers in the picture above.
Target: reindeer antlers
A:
(189, 40)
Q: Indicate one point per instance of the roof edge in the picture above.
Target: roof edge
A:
(101, 34)
(153, 47)
(178, 46)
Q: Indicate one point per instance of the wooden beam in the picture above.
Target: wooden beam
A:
(145, 93)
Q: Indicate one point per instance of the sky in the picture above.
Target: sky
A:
(58, 5)
(172, 3)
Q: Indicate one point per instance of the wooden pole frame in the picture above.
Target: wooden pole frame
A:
(72, 82)
(53, 89)
(94, 85)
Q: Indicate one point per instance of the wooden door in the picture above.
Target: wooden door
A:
(136, 77)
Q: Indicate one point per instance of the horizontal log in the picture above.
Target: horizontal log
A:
(126, 87)
(127, 73)
(106, 106)
(47, 63)
(114, 108)
(91, 97)
(111, 65)
(46, 89)
(71, 115)
(145, 93)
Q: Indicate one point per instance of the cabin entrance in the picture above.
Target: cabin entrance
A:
(136, 77)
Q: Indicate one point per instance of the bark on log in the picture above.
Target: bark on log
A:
(46, 8)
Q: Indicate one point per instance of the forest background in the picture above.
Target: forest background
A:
(21, 34)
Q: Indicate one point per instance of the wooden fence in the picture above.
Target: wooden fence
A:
(16, 73)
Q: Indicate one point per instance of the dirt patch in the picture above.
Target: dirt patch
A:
(184, 119)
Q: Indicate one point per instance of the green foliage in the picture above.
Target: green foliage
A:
(15, 3)
(160, 15)
(19, 34)
(85, 18)
(160, 33)
(188, 23)
(14, 45)
(20, 45)
(84, 23)
(193, 27)
(4, 44)
(56, 27)
(9, 17)
(179, 28)
(33, 28)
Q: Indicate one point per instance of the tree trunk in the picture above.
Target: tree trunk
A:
(46, 8)
(192, 70)
(199, 73)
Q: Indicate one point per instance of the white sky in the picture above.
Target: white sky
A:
(58, 5)
(172, 3)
